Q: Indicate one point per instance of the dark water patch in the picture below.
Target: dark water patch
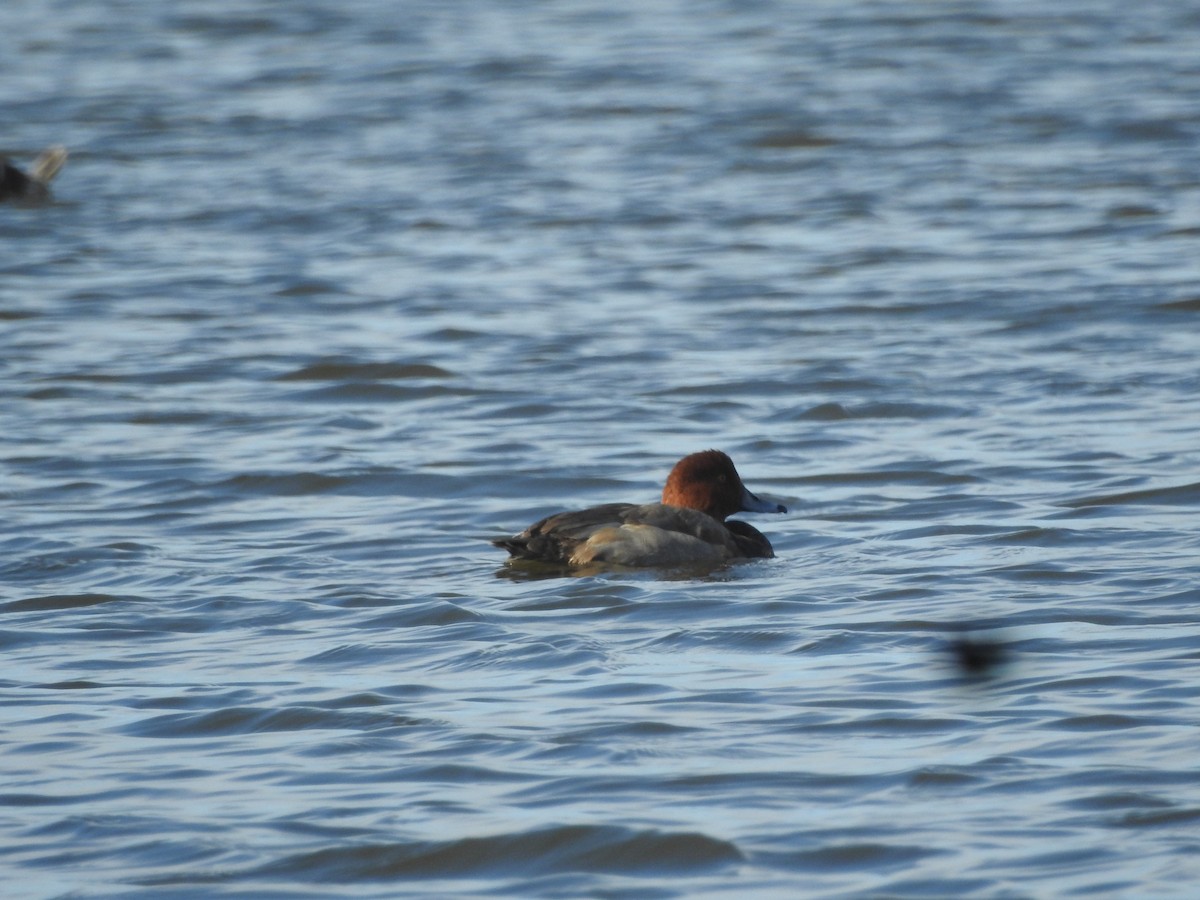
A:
(1187, 305)
(178, 417)
(1107, 722)
(453, 773)
(1159, 818)
(1114, 800)
(1184, 232)
(293, 484)
(17, 799)
(1132, 211)
(424, 776)
(885, 725)
(225, 27)
(854, 856)
(632, 730)
(570, 848)
(200, 699)
(1151, 130)
(255, 720)
(343, 369)
(212, 370)
(791, 139)
(65, 602)
(939, 777)
(380, 392)
(856, 703)
(753, 388)
(1044, 573)
(1178, 495)
(619, 690)
(310, 288)
(72, 685)
(839, 412)
(904, 594)
(525, 411)
(827, 412)
(523, 67)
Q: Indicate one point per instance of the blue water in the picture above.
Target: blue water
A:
(330, 295)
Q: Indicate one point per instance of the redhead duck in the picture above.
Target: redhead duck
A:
(687, 528)
(34, 187)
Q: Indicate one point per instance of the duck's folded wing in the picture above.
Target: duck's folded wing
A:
(679, 520)
(658, 535)
(554, 538)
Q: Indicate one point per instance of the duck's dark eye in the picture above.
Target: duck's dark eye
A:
(722, 478)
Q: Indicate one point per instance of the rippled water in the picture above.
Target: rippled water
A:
(331, 294)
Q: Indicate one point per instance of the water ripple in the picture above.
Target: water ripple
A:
(327, 298)
(570, 848)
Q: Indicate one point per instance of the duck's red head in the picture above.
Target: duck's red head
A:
(707, 481)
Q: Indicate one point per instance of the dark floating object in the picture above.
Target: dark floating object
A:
(978, 657)
(34, 187)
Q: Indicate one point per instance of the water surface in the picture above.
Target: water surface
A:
(332, 294)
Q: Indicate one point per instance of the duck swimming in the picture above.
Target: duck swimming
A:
(34, 187)
(688, 527)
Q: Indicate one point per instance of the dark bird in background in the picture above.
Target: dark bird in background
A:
(978, 657)
(34, 187)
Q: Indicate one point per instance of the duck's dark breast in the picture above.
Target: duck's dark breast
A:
(752, 543)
